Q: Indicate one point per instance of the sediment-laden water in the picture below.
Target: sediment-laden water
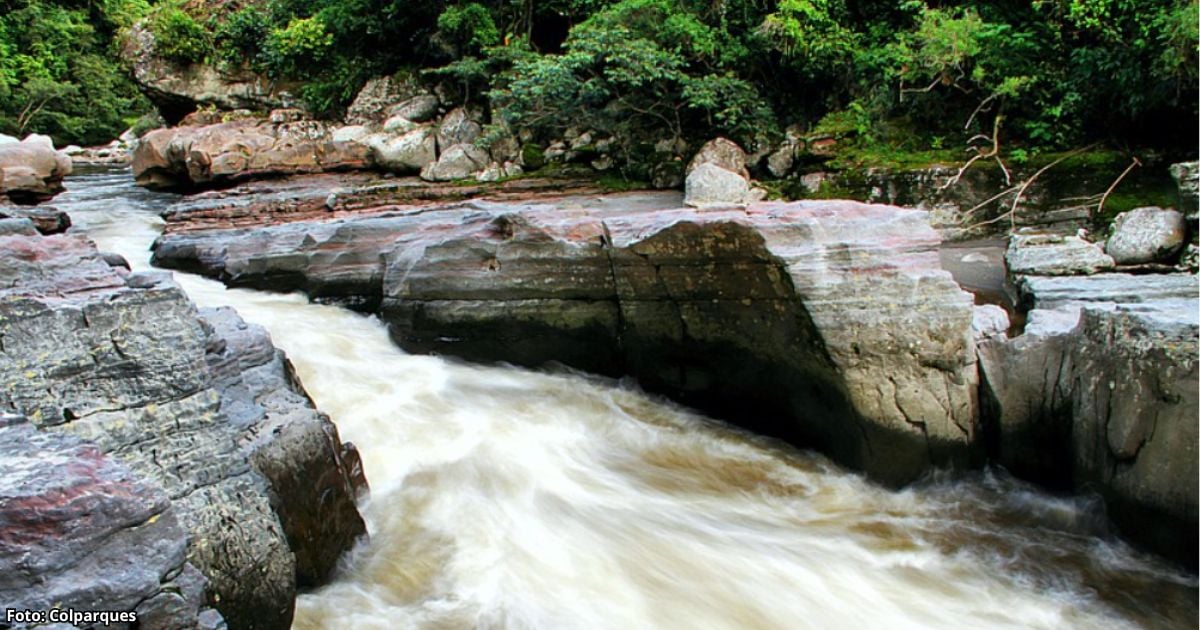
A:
(507, 498)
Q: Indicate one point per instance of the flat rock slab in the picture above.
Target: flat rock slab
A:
(1122, 288)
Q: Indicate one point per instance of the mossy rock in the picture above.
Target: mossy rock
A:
(533, 156)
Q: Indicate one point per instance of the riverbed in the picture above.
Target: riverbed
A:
(510, 498)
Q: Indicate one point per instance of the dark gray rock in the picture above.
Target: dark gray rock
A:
(1187, 178)
(83, 531)
(205, 409)
(47, 220)
(1100, 393)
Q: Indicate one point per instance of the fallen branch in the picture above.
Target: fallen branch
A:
(1011, 215)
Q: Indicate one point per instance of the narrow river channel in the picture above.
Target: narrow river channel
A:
(509, 498)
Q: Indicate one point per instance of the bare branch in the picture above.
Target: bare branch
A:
(980, 154)
(978, 109)
(1132, 165)
(1025, 185)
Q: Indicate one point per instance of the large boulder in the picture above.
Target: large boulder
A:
(717, 176)
(721, 152)
(459, 161)
(835, 318)
(83, 531)
(459, 126)
(198, 403)
(709, 185)
(31, 171)
(418, 109)
(406, 153)
(220, 154)
(1145, 235)
(177, 90)
(1100, 393)
(383, 97)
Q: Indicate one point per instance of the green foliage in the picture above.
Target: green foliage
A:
(468, 28)
(635, 67)
(240, 37)
(811, 33)
(178, 36)
(58, 70)
(297, 49)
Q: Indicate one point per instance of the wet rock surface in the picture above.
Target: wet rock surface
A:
(848, 338)
(198, 404)
(45, 219)
(81, 530)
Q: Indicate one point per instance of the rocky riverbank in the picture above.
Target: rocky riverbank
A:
(201, 481)
(834, 318)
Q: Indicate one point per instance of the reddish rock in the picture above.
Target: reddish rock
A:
(224, 153)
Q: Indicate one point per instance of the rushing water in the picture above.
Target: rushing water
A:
(503, 497)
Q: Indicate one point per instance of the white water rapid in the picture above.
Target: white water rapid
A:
(508, 498)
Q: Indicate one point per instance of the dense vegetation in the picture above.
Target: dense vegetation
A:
(1047, 74)
(1056, 73)
(59, 69)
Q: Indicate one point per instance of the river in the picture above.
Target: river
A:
(510, 498)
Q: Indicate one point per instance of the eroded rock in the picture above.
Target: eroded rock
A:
(224, 153)
(834, 317)
(194, 403)
(83, 531)
(31, 171)
(1100, 392)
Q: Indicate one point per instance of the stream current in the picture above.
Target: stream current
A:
(509, 498)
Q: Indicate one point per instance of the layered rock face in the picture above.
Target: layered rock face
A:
(1100, 393)
(834, 318)
(31, 171)
(199, 405)
(190, 157)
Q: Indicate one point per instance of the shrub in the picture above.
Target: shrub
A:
(178, 36)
